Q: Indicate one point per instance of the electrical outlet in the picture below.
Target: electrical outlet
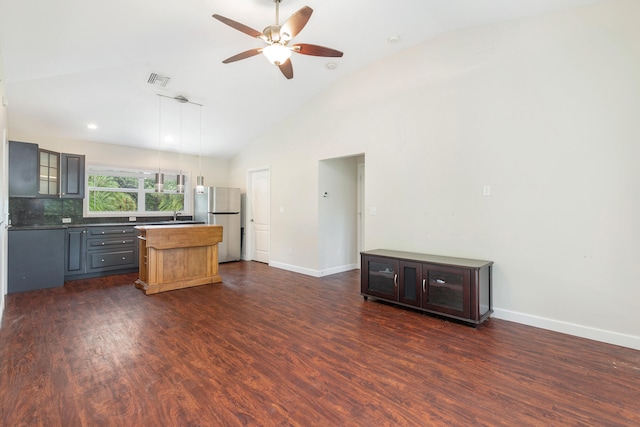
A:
(486, 190)
(66, 220)
(132, 218)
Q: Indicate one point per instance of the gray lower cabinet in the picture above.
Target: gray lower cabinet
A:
(111, 248)
(100, 250)
(75, 251)
(35, 259)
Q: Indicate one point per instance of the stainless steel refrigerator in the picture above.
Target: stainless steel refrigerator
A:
(221, 206)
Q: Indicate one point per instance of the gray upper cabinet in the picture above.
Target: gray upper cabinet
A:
(71, 176)
(23, 169)
(35, 172)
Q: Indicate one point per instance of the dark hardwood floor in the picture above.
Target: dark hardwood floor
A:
(271, 347)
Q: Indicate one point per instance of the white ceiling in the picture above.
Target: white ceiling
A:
(68, 62)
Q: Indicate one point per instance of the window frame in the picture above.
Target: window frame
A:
(141, 174)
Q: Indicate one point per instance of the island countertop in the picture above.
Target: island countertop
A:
(178, 256)
(180, 236)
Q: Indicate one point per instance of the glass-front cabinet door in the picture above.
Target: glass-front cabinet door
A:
(48, 173)
(380, 277)
(446, 290)
(409, 283)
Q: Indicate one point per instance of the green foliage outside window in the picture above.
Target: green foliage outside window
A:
(130, 191)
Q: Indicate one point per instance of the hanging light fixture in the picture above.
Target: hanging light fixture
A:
(180, 176)
(159, 186)
(200, 178)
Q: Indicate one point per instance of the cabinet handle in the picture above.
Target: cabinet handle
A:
(124, 231)
(395, 280)
(102, 232)
(124, 241)
(102, 243)
(424, 285)
(440, 281)
(102, 260)
(123, 258)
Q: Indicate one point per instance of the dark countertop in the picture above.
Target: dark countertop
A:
(109, 224)
(37, 227)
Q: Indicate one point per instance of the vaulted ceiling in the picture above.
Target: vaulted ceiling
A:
(68, 63)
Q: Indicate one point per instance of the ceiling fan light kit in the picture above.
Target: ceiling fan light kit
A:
(278, 51)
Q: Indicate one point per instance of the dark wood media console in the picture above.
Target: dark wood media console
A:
(458, 288)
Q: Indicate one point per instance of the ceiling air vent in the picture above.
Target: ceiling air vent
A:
(158, 80)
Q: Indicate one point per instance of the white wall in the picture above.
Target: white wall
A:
(544, 110)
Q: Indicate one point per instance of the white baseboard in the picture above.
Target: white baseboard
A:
(616, 338)
(311, 272)
(582, 331)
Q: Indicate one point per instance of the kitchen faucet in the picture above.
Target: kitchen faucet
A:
(175, 215)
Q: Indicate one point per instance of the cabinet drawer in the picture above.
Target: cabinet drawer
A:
(111, 231)
(111, 242)
(112, 260)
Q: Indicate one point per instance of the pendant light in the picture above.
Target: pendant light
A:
(159, 186)
(200, 178)
(180, 176)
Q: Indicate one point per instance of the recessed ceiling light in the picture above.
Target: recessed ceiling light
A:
(331, 65)
(393, 39)
(92, 126)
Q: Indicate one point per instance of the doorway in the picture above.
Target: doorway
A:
(340, 213)
(360, 212)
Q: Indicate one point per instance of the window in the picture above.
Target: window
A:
(114, 191)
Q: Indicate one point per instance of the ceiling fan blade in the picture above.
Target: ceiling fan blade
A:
(296, 22)
(243, 55)
(315, 50)
(287, 69)
(238, 26)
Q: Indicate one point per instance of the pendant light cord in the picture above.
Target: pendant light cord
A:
(159, 128)
(200, 144)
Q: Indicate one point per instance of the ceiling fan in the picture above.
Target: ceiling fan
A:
(277, 37)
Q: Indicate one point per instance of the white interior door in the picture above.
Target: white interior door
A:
(259, 215)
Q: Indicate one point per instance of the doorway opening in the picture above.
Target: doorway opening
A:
(340, 213)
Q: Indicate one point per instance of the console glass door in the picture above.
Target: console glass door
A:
(381, 277)
(447, 290)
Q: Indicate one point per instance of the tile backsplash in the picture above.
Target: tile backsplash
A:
(29, 212)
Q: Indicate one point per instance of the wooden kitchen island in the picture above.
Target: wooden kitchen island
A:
(177, 256)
